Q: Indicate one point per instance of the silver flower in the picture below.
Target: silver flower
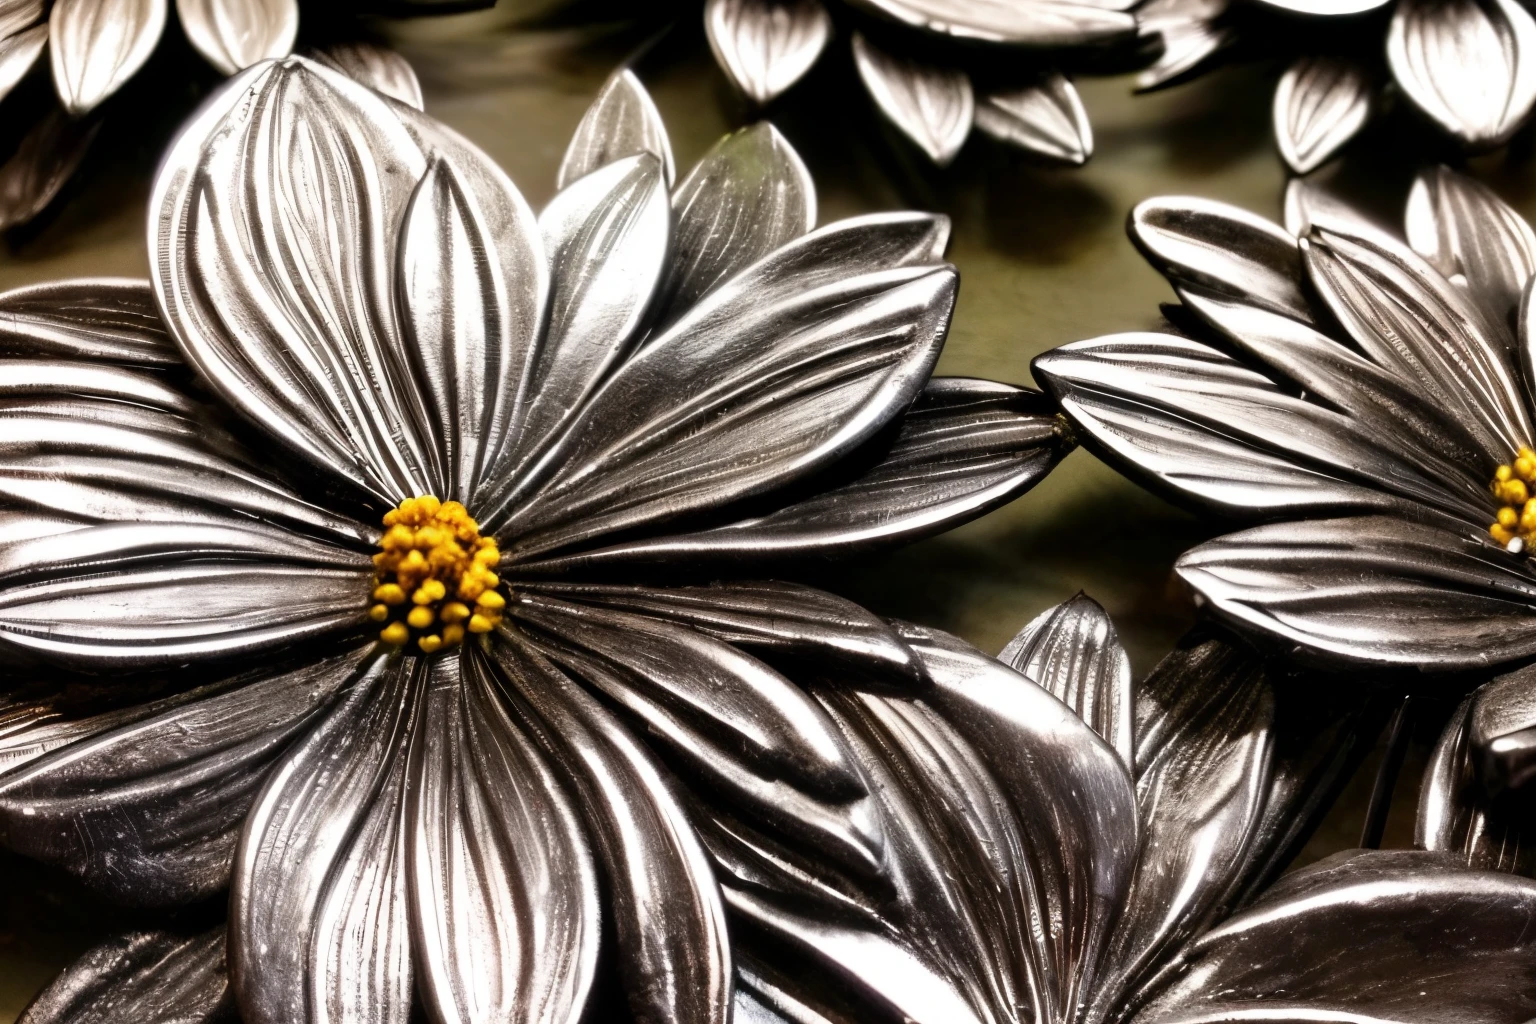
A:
(415, 757)
(1469, 66)
(1063, 850)
(1373, 398)
(935, 68)
(95, 47)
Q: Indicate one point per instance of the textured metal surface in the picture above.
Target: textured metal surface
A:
(935, 67)
(1396, 419)
(1466, 66)
(368, 310)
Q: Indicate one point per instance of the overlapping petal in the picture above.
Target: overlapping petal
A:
(146, 976)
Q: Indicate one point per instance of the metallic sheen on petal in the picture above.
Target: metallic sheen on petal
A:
(378, 67)
(1031, 22)
(622, 121)
(142, 976)
(1456, 815)
(18, 53)
(42, 165)
(1472, 237)
(1046, 119)
(234, 34)
(766, 46)
(932, 106)
(97, 45)
(1321, 103)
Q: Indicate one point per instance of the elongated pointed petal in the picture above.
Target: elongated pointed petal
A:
(378, 67)
(42, 165)
(1072, 651)
(18, 54)
(932, 106)
(1047, 119)
(964, 448)
(318, 921)
(19, 15)
(97, 45)
(1350, 921)
(149, 811)
(1321, 103)
(748, 196)
(622, 121)
(766, 46)
(1469, 65)
(234, 34)
(1472, 237)
(1456, 815)
(106, 319)
(142, 976)
(781, 623)
(1372, 589)
(674, 955)
(504, 905)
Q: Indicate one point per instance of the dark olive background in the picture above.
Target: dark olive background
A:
(1043, 260)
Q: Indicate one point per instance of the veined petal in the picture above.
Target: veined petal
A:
(1321, 103)
(149, 811)
(106, 319)
(963, 448)
(1372, 589)
(674, 955)
(1456, 815)
(1046, 119)
(504, 905)
(1460, 939)
(784, 624)
(784, 369)
(18, 15)
(766, 46)
(19, 52)
(318, 907)
(1469, 65)
(1030, 22)
(97, 45)
(1472, 237)
(622, 121)
(234, 34)
(43, 163)
(282, 293)
(1183, 416)
(142, 976)
(378, 67)
(1074, 653)
(932, 106)
(748, 196)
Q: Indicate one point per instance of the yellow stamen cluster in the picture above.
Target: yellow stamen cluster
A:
(434, 576)
(1514, 486)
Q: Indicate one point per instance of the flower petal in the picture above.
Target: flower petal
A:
(378, 67)
(318, 907)
(1191, 420)
(1320, 104)
(766, 46)
(104, 319)
(1204, 748)
(234, 34)
(504, 907)
(1502, 731)
(1012, 836)
(786, 623)
(42, 165)
(141, 976)
(1189, 39)
(790, 365)
(622, 121)
(674, 955)
(963, 448)
(1469, 65)
(1073, 652)
(1224, 250)
(1461, 938)
(759, 739)
(1457, 817)
(97, 45)
(1030, 22)
(1372, 589)
(19, 52)
(282, 293)
(20, 15)
(1472, 237)
(149, 811)
(607, 238)
(748, 196)
(932, 106)
(1046, 119)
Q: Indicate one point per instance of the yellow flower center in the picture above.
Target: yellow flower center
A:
(1513, 487)
(434, 576)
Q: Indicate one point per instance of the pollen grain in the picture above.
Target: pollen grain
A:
(1514, 487)
(434, 576)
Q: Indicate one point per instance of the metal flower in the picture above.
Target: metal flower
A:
(1055, 851)
(1369, 395)
(935, 68)
(1469, 66)
(414, 529)
(96, 46)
